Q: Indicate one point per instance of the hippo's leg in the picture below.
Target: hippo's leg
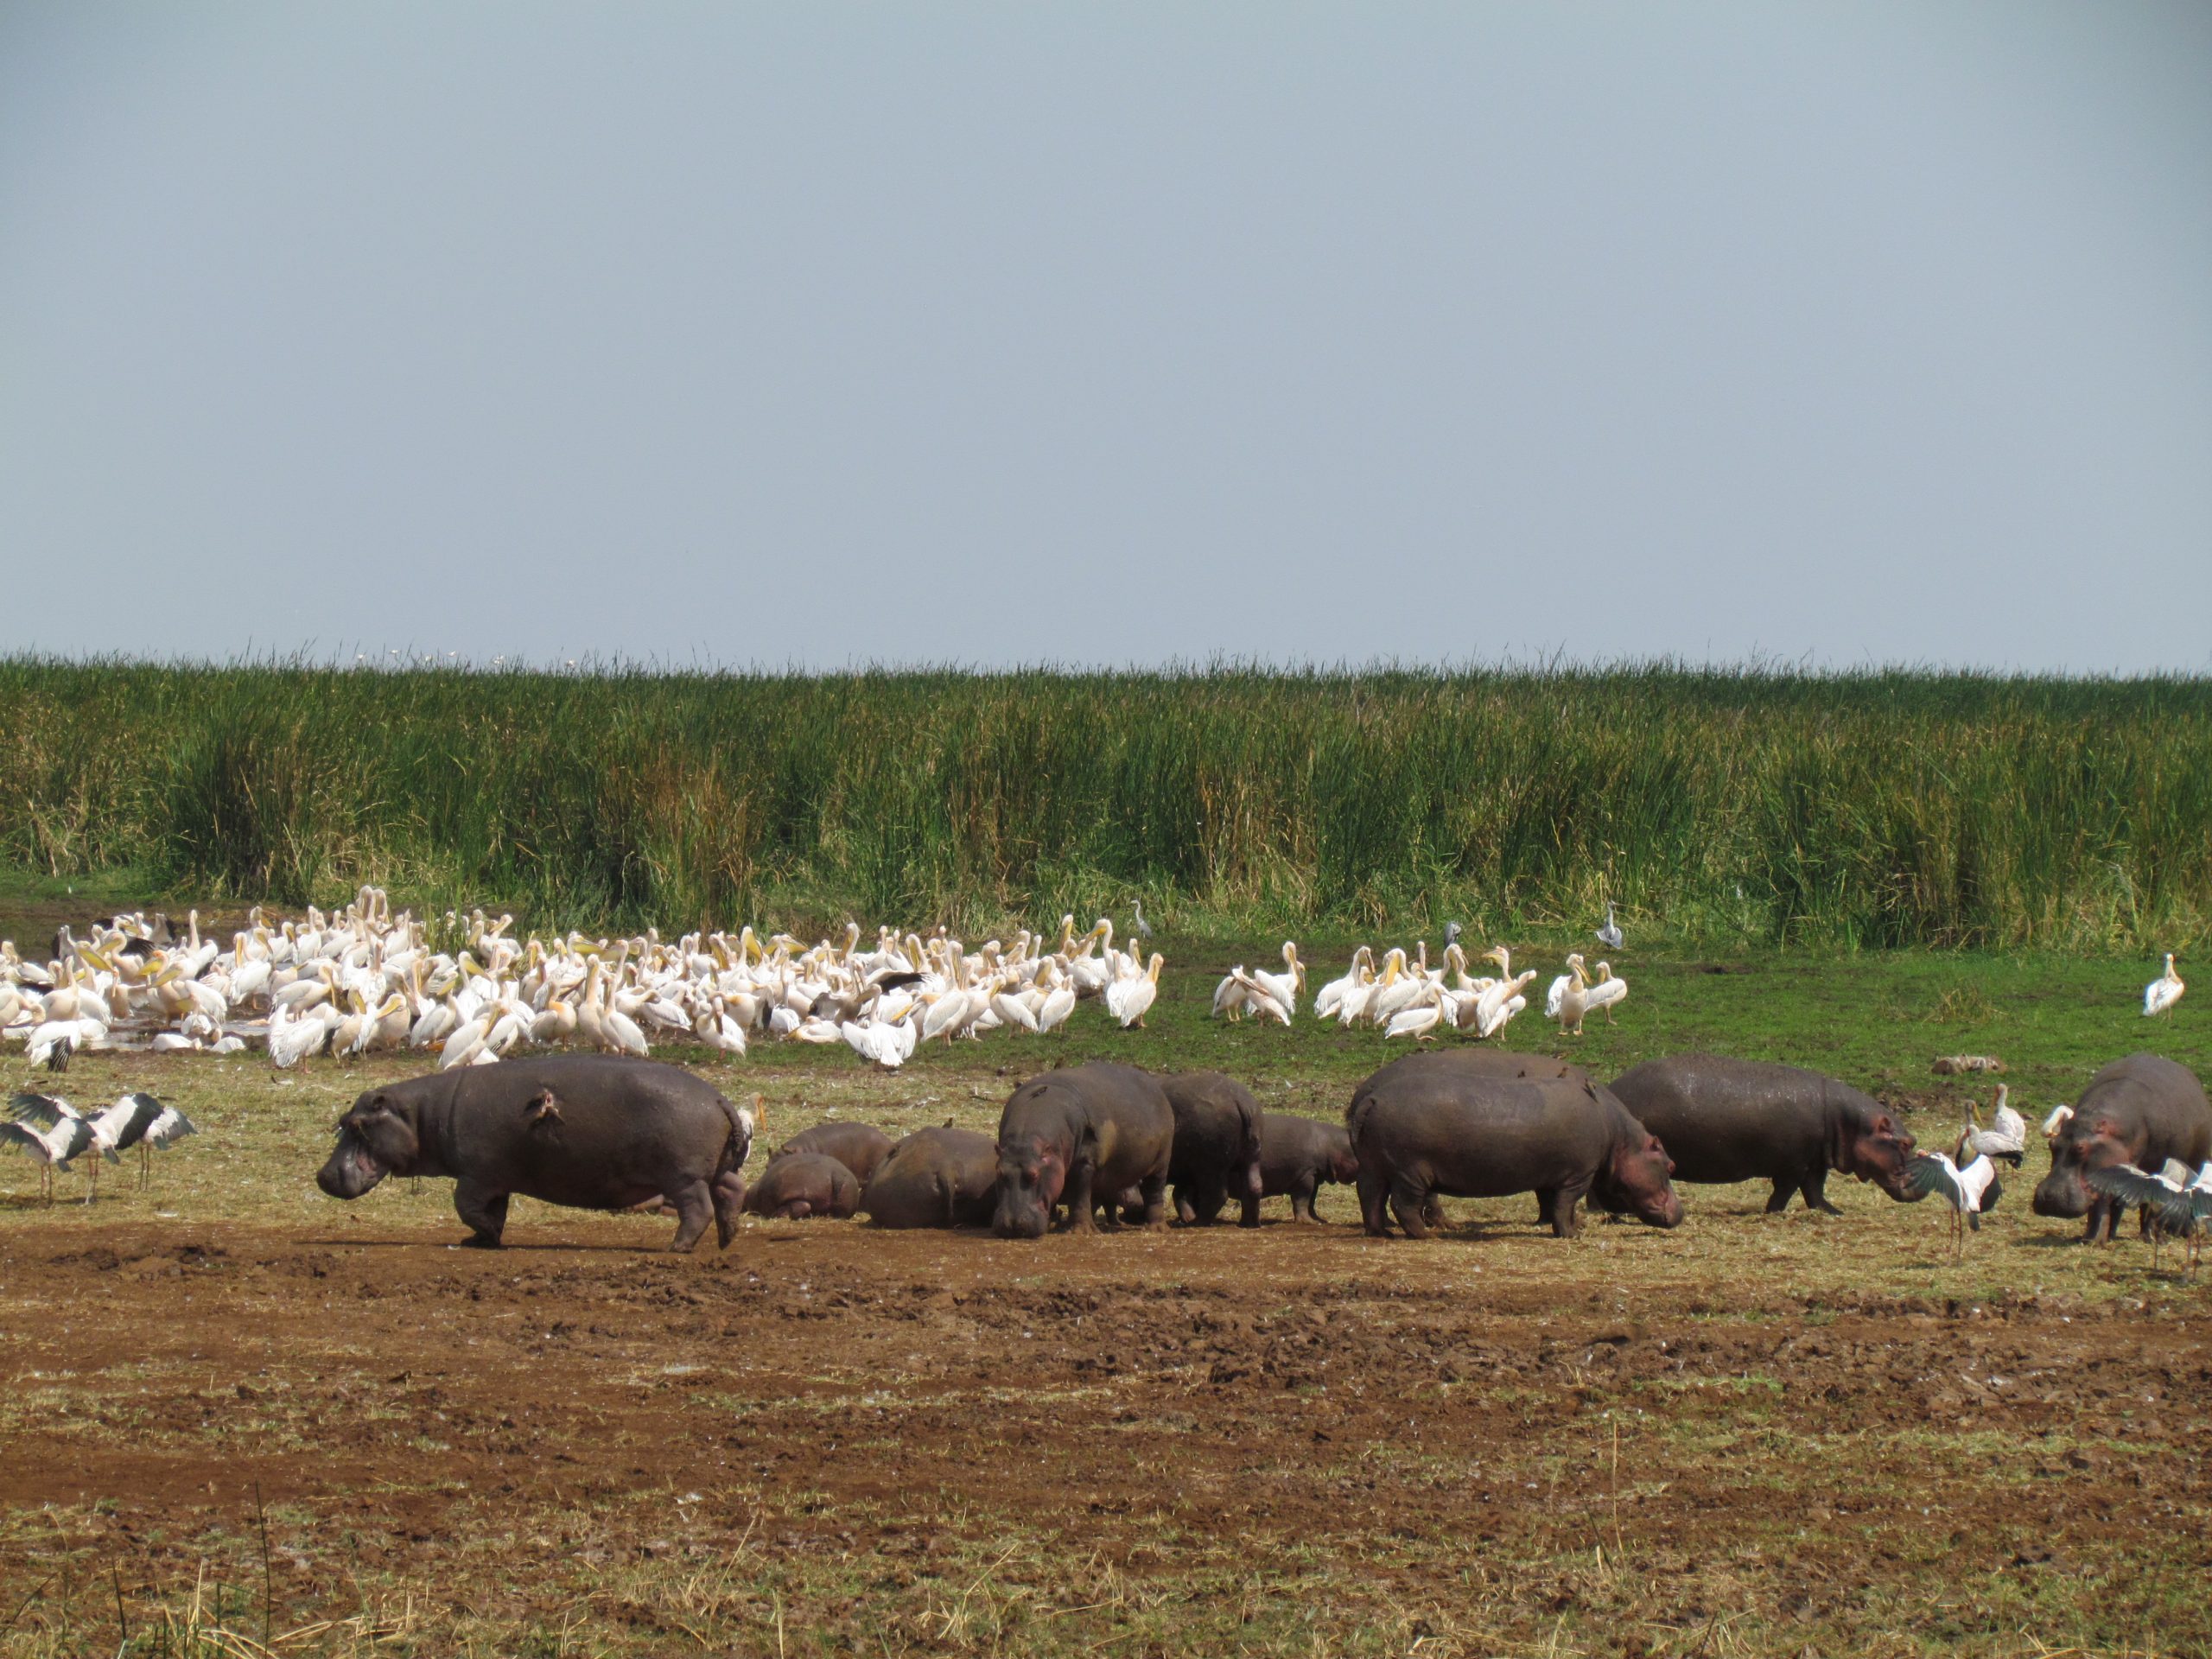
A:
(1253, 1188)
(1250, 1218)
(1186, 1211)
(1785, 1188)
(1301, 1198)
(1374, 1197)
(1814, 1188)
(1545, 1197)
(1154, 1189)
(728, 1195)
(485, 1212)
(1410, 1205)
(1080, 1218)
(1565, 1222)
(694, 1208)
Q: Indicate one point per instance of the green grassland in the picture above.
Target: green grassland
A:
(1875, 809)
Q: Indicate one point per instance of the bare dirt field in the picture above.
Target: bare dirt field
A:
(241, 1417)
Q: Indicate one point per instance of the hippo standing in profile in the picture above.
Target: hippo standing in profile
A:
(1216, 1149)
(860, 1147)
(800, 1184)
(1296, 1156)
(2141, 1110)
(1725, 1120)
(594, 1132)
(935, 1178)
(1431, 1128)
(1077, 1138)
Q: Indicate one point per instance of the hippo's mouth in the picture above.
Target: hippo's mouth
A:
(350, 1171)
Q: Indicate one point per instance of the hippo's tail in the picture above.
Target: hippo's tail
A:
(1356, 1115)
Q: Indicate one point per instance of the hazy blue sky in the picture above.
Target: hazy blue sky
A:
(1005, 334)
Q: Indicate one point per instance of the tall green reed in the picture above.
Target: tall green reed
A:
(1878, 808)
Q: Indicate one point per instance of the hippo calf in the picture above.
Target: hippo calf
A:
(935, 1178)
(1078, 1137)
(1464, 1131)
(797, 1184)
(1216, 1149)
(594, 1132)
(1725, 1120)
(860, 1147)
(2140, 1111)
(1297, 1155)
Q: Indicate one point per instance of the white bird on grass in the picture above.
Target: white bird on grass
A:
(54, 1133)
(1967, 1191)
(2056, 1122)
(2162, 992)
(2007, 1141)
(1127, 999)
(2178, 1199)
(1606, 993)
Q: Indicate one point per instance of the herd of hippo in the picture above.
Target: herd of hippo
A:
(1110, 1139)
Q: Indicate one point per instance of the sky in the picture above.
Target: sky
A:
(824, 335)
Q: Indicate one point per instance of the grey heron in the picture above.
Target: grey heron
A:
(1610, 934)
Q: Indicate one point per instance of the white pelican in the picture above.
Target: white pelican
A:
(1606, 992)
(1060, 999)
(1127, 999)
(2162, 992)
(1573, 996)
(1283, 988)
(1329, 998)
(1418, 1021)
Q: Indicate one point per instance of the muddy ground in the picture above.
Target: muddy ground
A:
(1483, 1439)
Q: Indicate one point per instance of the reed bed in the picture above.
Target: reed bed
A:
(1870, 809)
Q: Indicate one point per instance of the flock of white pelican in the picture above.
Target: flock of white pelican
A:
(365, 980)
(1407, 998)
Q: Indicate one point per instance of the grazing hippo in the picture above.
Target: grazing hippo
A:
(1296, 1156)
(1070, 1137)
(2141, 1110)
(1216, 1147)
(596, 1132)
(1727, 1120)
(935, 1178)
(860, 1147)
(1435, 1128)
(797, 1184)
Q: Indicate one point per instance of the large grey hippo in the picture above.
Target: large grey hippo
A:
(1424, 1126)
(1079, 1137)
(596, 1132)
(2141, 1110)
(1216, 1147)
(1729, 1120)
(935, 1178)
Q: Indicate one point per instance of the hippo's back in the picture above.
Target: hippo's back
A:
(935, 1178)
(1723, 1119)
(2155, 1102)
